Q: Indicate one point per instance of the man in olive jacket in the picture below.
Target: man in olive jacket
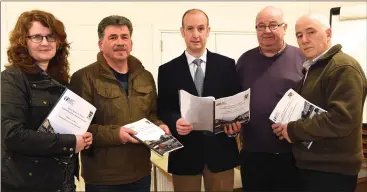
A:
(335, 82)
(123, 92)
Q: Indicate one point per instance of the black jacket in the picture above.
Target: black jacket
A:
(28, 156)
(218, 152)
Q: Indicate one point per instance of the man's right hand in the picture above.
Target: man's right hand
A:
(125, 135)
(183, 127)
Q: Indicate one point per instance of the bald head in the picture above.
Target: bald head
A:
(270, 30)
(270, 12)
(313, 35)
(194, 11)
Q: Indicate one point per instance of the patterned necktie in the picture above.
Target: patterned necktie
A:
(199, 76)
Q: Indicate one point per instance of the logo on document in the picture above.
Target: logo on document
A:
(246, 96)
(69, 100)
(90, 115)
(275, 117)
(290, 94)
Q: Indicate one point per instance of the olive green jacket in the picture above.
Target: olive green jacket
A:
(336, 83)
(109, 161)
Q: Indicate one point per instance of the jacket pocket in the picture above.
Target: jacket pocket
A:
(109, 101)
(40, 106)
(143, 95)
(25, 172)
(109, 93)
(108, 90)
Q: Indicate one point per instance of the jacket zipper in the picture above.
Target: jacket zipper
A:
(127, 99)
(127, 96)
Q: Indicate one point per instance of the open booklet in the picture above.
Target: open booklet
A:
(71, 115)
(293, 107)
(209, 114)
(154, 137)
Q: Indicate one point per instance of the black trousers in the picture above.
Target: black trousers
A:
(325, 181)
(269, 172)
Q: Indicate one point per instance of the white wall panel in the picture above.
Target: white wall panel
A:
(149, 19)
(235, 44)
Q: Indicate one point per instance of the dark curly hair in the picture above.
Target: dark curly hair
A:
(18, 55)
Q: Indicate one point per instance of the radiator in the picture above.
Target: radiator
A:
(164, 181)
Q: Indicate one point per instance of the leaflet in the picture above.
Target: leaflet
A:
(154, 137)
(293, 107)
(209, 114)
(71, 115)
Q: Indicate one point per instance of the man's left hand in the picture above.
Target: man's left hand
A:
(232, 128)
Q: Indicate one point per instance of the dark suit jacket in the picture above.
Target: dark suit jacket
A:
(219, 152)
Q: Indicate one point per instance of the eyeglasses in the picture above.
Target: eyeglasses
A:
(39, 38)
(272, 26)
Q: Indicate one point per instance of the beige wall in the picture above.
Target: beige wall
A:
(149, 18)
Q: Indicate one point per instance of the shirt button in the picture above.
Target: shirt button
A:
(65, 149)
(30, 174)
(71, 149)
(44, 102)
(36, 161)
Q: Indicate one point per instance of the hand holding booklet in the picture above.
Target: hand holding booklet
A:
(71, 115)
(154, 137)
(209, 114)
(293, 107)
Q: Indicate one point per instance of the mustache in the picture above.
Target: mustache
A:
(120, 48)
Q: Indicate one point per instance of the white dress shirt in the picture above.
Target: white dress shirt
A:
(193, 66)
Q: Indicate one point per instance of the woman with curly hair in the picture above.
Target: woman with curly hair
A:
(35, 78)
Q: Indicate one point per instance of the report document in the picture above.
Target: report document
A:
(210, 114)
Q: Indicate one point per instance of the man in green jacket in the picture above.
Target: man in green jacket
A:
(123, 92)
(335, 82)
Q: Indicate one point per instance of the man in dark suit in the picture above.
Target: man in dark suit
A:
(201, 73)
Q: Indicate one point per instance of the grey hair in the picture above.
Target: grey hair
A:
(114, 20)
(320, 18)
